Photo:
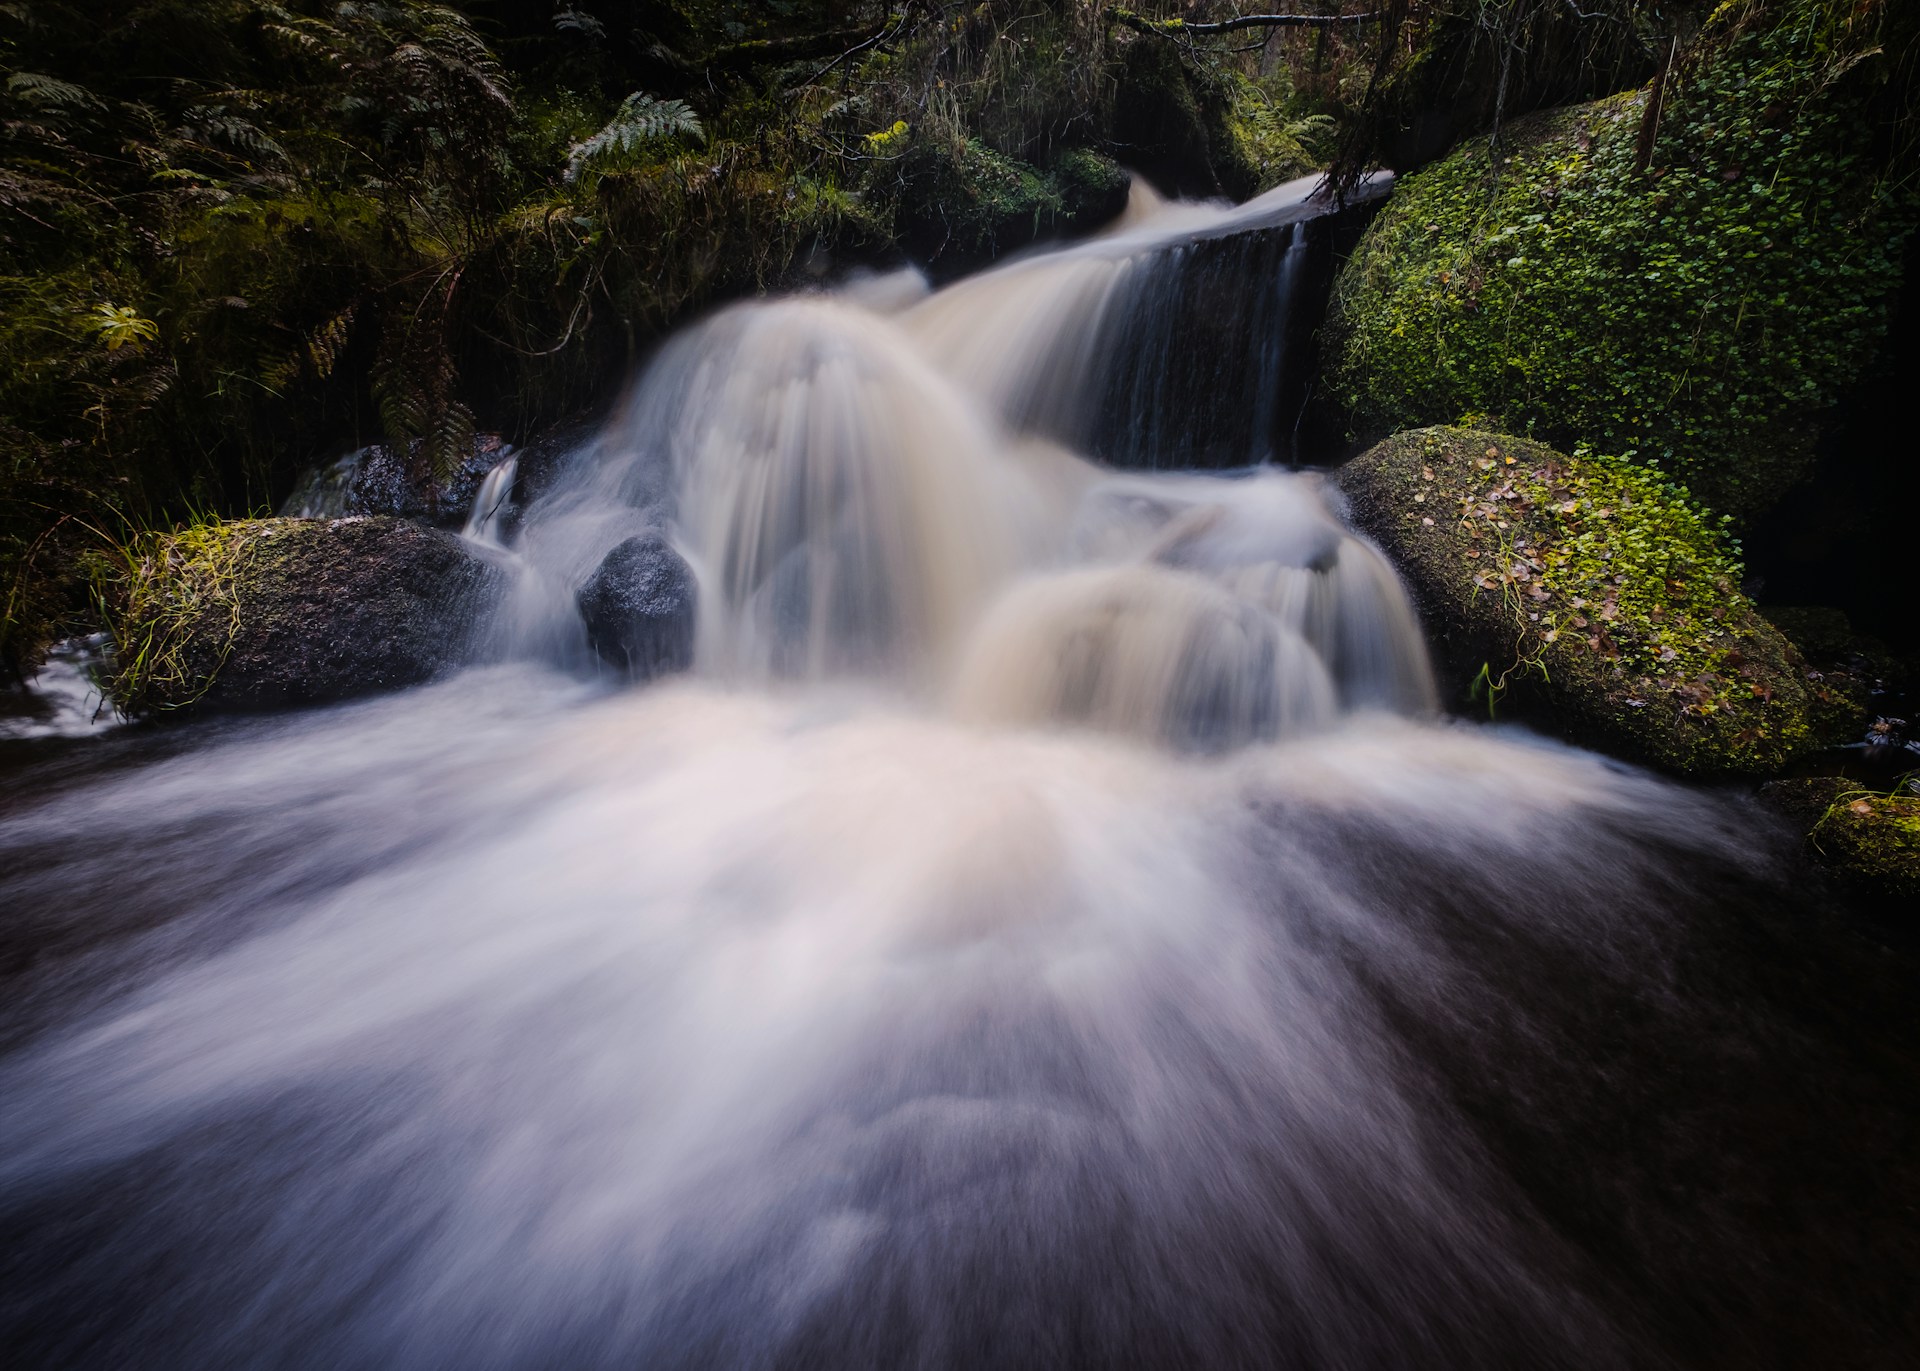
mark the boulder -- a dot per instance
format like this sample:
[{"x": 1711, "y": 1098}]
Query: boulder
[
  {"x": 1699, "y": 302},
  {"x": 261, "y": 613},
  {"x": 1868, "y": 839},
  {"x": 639, "y": 608},
  {"x": 1584, "y": 594},
  {"x": 1854, "y": 677}
]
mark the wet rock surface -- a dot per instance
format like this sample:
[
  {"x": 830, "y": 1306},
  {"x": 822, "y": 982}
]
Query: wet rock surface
[
  {"x": 383, "y": 480},
  {"x": 263, "y": 613},
  {"x": 639, "y": 607},
  {"x": 1580, "y": 594}
]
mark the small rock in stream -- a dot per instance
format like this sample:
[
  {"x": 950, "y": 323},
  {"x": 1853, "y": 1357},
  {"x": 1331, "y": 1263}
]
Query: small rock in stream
[{"x": 639, "y": 608}]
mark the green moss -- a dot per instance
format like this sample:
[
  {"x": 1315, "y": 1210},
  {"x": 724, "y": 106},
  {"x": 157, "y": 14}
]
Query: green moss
[
  {"x": 265, "y": 613},
  {"x": 1698, "y": 316},
  {"x": 962, "y": 201},
  {"x": 1278, "y": 143},
  {"x": 1869, "y": 838},
  {"x": 1587, "y": 586}
]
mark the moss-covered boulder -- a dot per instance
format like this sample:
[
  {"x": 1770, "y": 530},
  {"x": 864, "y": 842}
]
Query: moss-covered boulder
[
  {"x": 1584, "y": 593},
  {"x": 1869, "y": 839},
  {"x": 261, "y": 613},
  {"x": 1693, "y": 285}
]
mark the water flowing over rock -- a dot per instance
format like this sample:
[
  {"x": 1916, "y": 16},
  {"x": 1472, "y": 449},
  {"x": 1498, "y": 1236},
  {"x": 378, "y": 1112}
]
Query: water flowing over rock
[
  {"x": 873, "y": 484},
  {"x": 382, "y": 480},
  {"x": 1184, "y": 338}
]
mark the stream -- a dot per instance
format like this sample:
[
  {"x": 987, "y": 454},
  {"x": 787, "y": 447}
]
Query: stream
[{"x": 1051, "y": 925}]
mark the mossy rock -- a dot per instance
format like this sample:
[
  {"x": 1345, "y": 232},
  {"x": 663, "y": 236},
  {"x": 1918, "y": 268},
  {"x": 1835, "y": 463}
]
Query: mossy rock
[
  {"x": 963, "y": 205},
  {"x": 1869, "y": 839},
  {"x": 1698, "y": 303},
  {"x": 1582, "y": 593},
  {"x": 262, "y": 613}
]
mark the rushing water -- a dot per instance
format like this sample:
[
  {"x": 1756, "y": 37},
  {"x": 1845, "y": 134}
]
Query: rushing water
[{"x": 1048, "y": 928}]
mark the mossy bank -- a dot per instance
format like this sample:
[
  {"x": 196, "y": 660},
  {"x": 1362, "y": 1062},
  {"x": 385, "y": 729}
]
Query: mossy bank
[{"x": 1690, "y": 275}]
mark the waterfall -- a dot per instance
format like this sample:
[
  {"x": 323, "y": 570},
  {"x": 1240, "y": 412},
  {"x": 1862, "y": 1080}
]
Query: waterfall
[
  {"x": 486, "y": 518},
  {"x": 1047, "y": 926},
  {"x": 879, "y": 483}
]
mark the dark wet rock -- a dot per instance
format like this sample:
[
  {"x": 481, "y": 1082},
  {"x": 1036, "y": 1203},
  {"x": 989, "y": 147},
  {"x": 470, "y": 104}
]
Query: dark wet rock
[
  {"x": 262, "y": 613},
  {"x": 1585, "y": 595},
  {"x": 639, "y": 608},
  {"x": 390, "y": 482},
  {"x": 964, "y": 205},
  {"x": 1173, "y": 122},
  {"x": 1869, "y": 839},
  {"x": 1852, "y": 679},
  {"x": 379, "y": 480}
]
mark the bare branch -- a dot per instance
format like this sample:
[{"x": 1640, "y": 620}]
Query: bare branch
[{"x": 1177, "y": 28}]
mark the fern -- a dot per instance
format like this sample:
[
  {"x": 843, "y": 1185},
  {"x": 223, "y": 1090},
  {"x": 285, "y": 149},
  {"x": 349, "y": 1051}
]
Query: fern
[
  {"x": 218, "y": 124},
  {"x": 49, "y": 92},
  {"x": 579, "y": 21},
  {"x": 641, "y": 120},
  {"x": 328, "y": 342}
]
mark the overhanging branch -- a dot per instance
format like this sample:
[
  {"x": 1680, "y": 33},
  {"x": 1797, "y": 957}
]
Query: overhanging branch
[{"x": 1178, "y": 28}]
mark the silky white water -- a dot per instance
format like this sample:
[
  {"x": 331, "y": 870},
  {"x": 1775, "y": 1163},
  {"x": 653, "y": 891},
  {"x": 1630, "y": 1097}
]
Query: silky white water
[{"x": 1047, "y": 928}]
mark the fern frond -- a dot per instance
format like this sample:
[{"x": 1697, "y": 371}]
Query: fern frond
[
  {"x": 578, "y": 21},
  {"x": 328, "y": 342},
  {"x": 50, "y": 92},
  {"x": 640, "y": 120},
  {"x": 242, "y": 135}
]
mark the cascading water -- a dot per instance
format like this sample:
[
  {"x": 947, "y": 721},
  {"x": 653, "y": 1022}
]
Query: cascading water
[{"x": 1046, "y": 929}]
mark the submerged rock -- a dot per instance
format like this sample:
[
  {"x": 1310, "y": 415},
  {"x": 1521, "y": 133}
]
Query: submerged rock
[
  {"x": 1869, "y": 839},
  {"x": 639, "y": 608},
  {"x": 261, "y": 613},
  {"x": 1583, "y": 593}
]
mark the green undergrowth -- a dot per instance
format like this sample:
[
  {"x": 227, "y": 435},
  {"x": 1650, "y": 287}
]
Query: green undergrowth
[
  {"x": 166, "y": 597},
  {"x": 1693, "y": 280},
  {"x": 1875, "y": 835}
]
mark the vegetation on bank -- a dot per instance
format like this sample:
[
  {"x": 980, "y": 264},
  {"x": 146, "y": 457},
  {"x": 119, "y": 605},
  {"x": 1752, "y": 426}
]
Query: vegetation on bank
[
  {"x": 1588, "y": 584},
  {"x": 1690, "y": 273},
  {"x": 240, "y": 236}
]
